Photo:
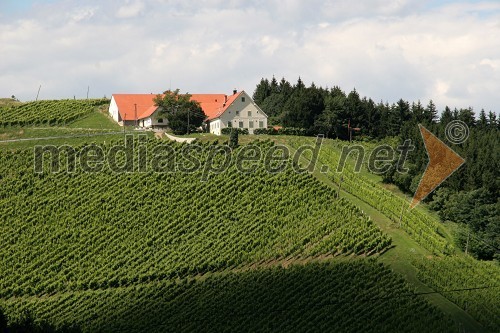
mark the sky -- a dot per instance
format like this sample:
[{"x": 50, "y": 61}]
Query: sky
[{"x": 447, "y": 51}]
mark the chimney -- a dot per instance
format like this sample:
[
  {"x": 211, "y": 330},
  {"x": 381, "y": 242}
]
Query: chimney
[
  {"x": 225, "y": 98},
  {"x": 235, "y": 91}
]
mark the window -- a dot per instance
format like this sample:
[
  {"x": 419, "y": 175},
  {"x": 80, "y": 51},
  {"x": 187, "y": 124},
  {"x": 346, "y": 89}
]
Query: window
[
  {"x": 261, "y": 124},
  {"x": 250, "y": 124},
  {"x": 249, "y": 113},
  {"x": 243, "y": 99},
  {"x": 160, "y": 120},
  {"x": 237, "y": 113},
  {"x": 241, "y": 124},
  {"x": 229, "y": 124}
]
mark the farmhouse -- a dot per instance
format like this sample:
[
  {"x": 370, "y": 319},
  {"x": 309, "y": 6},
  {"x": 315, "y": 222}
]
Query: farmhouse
[{"x": 223, "y": 111}]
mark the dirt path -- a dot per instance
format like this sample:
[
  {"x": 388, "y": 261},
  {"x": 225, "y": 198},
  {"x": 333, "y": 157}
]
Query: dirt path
[{"x": 181, "y": 140}]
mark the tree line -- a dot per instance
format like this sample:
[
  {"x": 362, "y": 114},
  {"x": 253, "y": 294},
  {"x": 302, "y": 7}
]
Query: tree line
[{"x": 469, "y": 197}]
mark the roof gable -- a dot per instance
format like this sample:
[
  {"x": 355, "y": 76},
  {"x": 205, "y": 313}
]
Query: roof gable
[{"x": 127, "y": 105}]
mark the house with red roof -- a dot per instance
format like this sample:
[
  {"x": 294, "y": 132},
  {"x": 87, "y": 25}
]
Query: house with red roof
[{"x": 223, "y": 111}]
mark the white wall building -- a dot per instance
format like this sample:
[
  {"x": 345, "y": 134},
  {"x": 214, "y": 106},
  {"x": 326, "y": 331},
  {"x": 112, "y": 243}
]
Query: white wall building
[
  {"x": 240, "y": 111},
  {"x": 234, "y": 111}
]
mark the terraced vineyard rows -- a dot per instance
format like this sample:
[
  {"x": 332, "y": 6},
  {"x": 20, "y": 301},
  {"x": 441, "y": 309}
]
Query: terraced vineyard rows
[
  {"x": 421, "y": 227},
  {"x": 454, "y": 273},
  {"x": 47, "y": 113},
  {"x": 351, "y": 296},
  {"x": 90, "y": 231},
  {"x": 443, "y": 272}
]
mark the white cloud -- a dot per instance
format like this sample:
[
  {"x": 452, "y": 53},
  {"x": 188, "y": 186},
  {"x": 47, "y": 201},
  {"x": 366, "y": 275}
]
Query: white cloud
[
  {"x": 82, "y": 14},
  {"x": 386, "y": 49},
  {"x": 130, "y": 9}
]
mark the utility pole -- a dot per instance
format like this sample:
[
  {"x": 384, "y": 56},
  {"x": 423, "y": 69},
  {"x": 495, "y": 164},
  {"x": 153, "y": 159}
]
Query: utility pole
[
  {"x": 135, "y": 114},
  {"x": 38, "y": 93},
  {"x": 124, "y": 127},
  {"x": 467, "y": 243},
  {"x": 349, "y": 129},
  {"x": 88, "y": 89},
  {"x": 188, "y": 122}
]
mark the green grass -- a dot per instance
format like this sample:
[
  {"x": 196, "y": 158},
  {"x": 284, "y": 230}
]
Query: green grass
[
  {"x": 32, "y": 137},
  {"x": 96, "y": 120},
  {"x": 9, "y": 102}
]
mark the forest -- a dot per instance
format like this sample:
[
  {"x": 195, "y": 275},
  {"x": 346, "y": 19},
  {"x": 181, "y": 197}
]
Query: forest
[{"x": 468, "y": 198}]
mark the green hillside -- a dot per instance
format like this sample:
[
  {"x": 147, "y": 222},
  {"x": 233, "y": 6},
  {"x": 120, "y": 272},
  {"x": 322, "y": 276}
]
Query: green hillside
[
  {"x": 350, "y": 296},
  {"x": 172, "y": 245},
  {"x": 471, "y": 284},
  {"x": 107, "y": 230},
  {"x": 47, "y": 113}
]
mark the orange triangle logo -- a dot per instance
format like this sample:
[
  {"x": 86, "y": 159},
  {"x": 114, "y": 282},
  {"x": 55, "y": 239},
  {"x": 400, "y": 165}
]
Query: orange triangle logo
[{"x": 443, "y": 161}]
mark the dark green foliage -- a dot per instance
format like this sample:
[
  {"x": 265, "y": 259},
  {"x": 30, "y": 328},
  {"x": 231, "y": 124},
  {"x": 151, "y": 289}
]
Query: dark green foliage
[
  {"x": 229, "y": 130},
  {"x": 303, "y": 107},
  {"x": 281, "y": 131},
  {"x": 478, "y": 211},
  {"x": 470, "y": 195},
  {"x": 461, "y": 272},
  {"x": 346, "y": 296},
  {"x": 318, "y": 111},
  {"x": 233, "y": 138},
  {"x": 183, "y": 114},
  {"x": 3, "y": 321},
  {"x": 27, "y": 324}
]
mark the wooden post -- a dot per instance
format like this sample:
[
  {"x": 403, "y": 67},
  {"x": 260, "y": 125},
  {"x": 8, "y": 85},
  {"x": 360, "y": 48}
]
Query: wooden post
[
  {"x": 340, "y": 186},
  {"x": 401, "y": 215},
  {"x": 125, "y": 116},
  {"x": 38, "y": 93},
  {"x": 467, "y": 243},
  {"x": 349, "y": 129}
]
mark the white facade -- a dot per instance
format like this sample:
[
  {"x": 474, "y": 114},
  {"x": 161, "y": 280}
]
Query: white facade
[
  {"x": 154, "y": 120},
  {"x": 113, "y": 110},
  {"x": 216, "y": 126},
  {"x": 242, "y": 113}
]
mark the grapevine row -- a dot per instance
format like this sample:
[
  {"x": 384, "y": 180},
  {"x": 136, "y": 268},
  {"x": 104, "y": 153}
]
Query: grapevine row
[
  {"x": 344, "y": 296},
  {"x": 47, "y": 113}
]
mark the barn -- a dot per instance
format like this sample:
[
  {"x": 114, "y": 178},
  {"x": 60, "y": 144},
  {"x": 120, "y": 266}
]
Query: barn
[{"x": 237, "y": 110}]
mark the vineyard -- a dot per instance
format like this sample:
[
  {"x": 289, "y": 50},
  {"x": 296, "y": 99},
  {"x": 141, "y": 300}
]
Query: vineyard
[
  {"x": 424, "y": 229},
  {"x": 173, "y": 248},
  {"x": 350, "y": 296},
  {"x": 104, "y": 229},
  {"x": 454, "y": 273},
  {"x": 446, "y": 271},
  {"x": 47, "y": 113}
]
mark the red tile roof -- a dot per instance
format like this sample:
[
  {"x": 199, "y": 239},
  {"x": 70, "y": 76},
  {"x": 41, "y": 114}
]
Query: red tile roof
[
  {"x": 212, "y": 104},
  {"x": 127, "y": 103}
]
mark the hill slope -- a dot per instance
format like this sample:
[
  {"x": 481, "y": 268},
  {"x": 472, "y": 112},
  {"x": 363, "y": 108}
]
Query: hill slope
[{"x": 93, "y": 248}]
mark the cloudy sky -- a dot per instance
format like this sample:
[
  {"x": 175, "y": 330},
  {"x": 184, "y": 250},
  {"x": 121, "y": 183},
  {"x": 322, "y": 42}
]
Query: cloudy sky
[{"x": 444, "y": 50}]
